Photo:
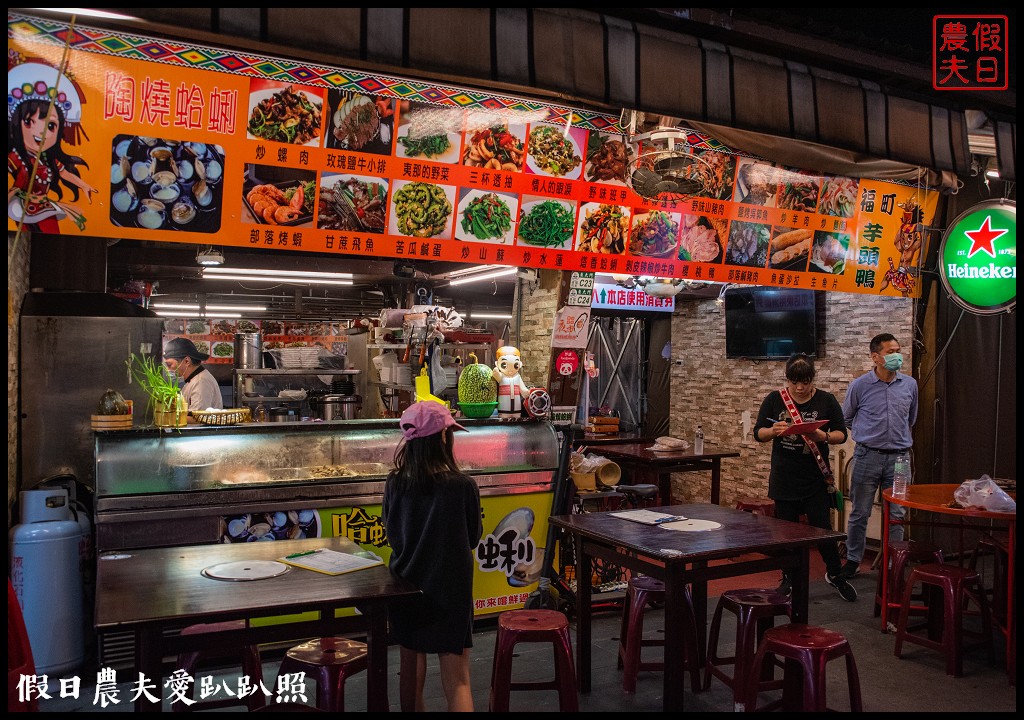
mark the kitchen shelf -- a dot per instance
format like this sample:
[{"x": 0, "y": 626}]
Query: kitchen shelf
[{"x": 393, "y": 386}]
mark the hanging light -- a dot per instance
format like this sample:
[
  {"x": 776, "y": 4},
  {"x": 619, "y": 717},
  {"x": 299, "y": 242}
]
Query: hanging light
[{"x": 210, "y": 257}]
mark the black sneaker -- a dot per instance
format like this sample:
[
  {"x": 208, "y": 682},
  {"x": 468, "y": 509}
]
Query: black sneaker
[
  {"x": 850, "y": 570},
  {"x": 785, "y": 587},
  {"x": 846, "y": 590}
]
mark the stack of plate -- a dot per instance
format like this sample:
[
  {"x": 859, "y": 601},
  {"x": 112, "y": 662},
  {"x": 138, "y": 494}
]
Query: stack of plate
[{"x": 302, "y": 357}]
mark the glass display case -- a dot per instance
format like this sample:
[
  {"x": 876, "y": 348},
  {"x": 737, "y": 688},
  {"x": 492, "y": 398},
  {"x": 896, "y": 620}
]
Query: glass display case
[{"x": 157, "y": 488}]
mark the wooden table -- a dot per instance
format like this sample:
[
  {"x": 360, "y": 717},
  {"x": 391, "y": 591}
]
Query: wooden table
[
  {"x": 656, "y": 468},
  {"x": 935, "y": 499},
  {"x": 148, "y": 590},
  {"x": 679, "y": 558}
]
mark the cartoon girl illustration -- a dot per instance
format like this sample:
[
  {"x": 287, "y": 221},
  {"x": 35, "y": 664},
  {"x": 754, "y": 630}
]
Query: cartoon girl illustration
[{"x": 38, "y": 129}]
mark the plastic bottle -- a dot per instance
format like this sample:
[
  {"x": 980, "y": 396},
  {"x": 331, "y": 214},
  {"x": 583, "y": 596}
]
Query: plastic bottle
[
  {"x": 259, "y": 414},
  {"x": 698, "y": 441},
  {"x": 901, "y": 476}
]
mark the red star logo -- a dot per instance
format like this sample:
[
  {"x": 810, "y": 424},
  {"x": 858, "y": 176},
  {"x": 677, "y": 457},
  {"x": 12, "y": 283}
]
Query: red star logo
[{"x": 983, "y": 237}]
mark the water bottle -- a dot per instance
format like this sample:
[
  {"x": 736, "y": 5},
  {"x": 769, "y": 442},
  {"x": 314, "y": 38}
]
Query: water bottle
[
  {"x": 698, "y": 441},
  {"x": 901, "y": 476}
]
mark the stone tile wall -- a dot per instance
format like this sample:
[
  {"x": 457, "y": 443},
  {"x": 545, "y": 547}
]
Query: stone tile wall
[
  {"x": 533, "y": 317},
  {"x": 723, "y": 396},
  {"x": 17, "y": 286}
]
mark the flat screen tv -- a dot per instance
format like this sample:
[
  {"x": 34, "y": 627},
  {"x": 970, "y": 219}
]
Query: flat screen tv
[{"x": 767, "y": 323}]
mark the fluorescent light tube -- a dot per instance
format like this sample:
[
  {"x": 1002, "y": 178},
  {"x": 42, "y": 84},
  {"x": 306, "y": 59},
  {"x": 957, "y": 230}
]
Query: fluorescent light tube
[
  {"x": 275, "y": 278},
  {"x": 484, "y": 276},
  {"x": 490, "y": 316},
  {"x": 279, "y": 273}
]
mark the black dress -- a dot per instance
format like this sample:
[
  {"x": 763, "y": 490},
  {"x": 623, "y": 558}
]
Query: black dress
[{"x": 432, "y": 534}]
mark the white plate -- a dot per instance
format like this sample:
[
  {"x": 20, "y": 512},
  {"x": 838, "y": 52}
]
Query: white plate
[
  {"x": 581, "y": 218},
  {"x": 260, "y": 95},
  {"x": 573, "y": 174},
  {"x": 614, "y": 181},
  {"x": 229, "y": 346},
  {"x": 246, "y": 570},
  {"x": 449, "y": 191},
  {"x": 513, "y": 208},
  {"x": 451, "y": 155},
  {"x": 529, "y": 206}
]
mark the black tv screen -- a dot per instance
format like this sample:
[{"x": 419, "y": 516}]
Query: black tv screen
[{"x": 766, "y": 323}]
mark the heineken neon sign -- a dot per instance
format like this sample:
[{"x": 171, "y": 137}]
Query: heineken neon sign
[{"x": 978, "y": 258}]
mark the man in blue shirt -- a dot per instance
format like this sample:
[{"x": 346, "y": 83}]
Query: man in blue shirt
[{"x": 880, "y": 409}]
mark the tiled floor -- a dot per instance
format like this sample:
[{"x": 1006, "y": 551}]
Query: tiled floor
[{"x": 915, "y": 683}]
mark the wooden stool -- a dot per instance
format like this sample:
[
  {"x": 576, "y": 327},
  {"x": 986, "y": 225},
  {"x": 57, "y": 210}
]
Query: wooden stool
[
  {"x": 901, "y": 554},
  {"x": 813, "y": 647},
  {"x": 757, "y": 506},
  {"x": 640, "y": 592},
  {"x": 945, "y": 613},
  {"x": 516, "y": 626},
  {"x": 329, "y": 661},
  {"x": 252, "y": 667},
  {"x": 755, "y": 610}
]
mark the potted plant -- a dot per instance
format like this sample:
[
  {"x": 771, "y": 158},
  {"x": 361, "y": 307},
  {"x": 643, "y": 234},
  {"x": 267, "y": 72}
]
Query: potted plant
[{"x": 169, "y": 408}]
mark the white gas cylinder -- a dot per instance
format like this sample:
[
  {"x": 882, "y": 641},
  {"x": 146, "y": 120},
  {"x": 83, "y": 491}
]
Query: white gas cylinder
[{"x": 45, "y": 572}]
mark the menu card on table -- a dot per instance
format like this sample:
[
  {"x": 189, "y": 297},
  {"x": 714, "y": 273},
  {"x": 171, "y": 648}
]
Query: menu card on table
[
  {"x": 647, "y": 517},
  {"x": 332, "y": 562}
]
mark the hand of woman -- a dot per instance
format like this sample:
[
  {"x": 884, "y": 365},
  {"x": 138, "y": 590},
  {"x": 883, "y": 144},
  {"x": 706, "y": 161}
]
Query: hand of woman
[
  {"x": 820, "y": 435},
  {"x": 780, "y": 427}
]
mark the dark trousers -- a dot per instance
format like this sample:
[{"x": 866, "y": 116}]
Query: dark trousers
[{"x": 816, "y": 508}]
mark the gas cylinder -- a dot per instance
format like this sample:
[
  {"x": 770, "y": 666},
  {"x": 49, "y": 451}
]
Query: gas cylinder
[{"x": 45, "y": 572}]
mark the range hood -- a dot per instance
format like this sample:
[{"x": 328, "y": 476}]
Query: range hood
[{"x": 71, "y": 303}]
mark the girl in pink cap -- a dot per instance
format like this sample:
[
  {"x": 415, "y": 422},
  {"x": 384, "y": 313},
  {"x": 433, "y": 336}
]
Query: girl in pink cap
[{"x": 431, "y": 512}]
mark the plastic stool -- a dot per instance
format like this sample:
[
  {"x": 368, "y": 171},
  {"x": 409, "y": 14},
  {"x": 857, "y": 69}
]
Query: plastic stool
[
  {"x": 1000, "y": 558},
  {"x": 329, "y": 661},
  {"x": 19, "y": 655},
  {"x": 252, "y": 667},
  {"x": 757, "y": 506},
  {"x": 518, "y": 626},
  {"x": 901, "y": 554},
  {"x": 813, "y": 647},
  {"x": 639, "y": 496},
  {"x": 946, "y": 613},
  {"x": 641, "y": 591},
  {"x": 755, "y": 610}
]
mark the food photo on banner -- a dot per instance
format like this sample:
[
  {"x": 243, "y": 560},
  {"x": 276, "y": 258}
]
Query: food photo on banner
[{"x": 317, "y": 162}]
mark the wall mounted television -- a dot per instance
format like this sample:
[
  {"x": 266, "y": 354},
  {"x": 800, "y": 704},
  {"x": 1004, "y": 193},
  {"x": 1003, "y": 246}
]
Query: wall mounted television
[{"x": 768, "y": 323}]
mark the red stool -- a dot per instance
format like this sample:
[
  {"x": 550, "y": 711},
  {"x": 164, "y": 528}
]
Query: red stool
[
  {"x": 757, "y": 506},
  {"x": 516, "y": 626},
  {"x": 901, "y": 554},
  {"x": 1000, "y": 558},
  {"x": 945, "y": 613},
  {"x": 640, "y": 592},
  {"x": 813, "y": 647},
  {"x": 329, "y": 661},
  {"x": 19, "y": 655},
  {"x": 252, "y": 667},
  {"x": 755, "y": 610}
]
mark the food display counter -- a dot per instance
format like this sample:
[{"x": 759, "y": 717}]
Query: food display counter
[{"x": 274, "y": 481}]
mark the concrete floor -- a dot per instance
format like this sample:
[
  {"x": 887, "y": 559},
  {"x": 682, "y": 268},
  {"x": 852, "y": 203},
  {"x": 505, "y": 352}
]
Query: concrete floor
[{"x": 916, "y": 683}]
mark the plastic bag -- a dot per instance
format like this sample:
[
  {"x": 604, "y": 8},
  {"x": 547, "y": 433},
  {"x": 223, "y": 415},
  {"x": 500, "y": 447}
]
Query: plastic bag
[{"x": 985, "y": 494}]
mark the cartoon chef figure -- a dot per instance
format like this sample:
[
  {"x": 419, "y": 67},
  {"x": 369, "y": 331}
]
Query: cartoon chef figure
[{"x": 511, "y": 388}]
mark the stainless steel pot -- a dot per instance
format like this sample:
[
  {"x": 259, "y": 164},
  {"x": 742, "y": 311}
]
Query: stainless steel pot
[
  {"x": 249, "y": 351},
  {"x": 282, "y": 414},
  {"x": 338, "y": 407}
]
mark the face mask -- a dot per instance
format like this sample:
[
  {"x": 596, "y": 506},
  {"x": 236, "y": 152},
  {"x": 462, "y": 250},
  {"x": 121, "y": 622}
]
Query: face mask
[{"x": 893, "y": 361}]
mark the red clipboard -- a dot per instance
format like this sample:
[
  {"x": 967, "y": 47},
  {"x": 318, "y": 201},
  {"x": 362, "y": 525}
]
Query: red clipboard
[{"x": 803, "y": 428}]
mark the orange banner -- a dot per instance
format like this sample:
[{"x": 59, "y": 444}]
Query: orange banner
[{"x": 154, "y": 140}]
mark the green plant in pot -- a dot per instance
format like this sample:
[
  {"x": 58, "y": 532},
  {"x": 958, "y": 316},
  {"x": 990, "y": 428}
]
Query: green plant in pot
[{"x": 161, "y": 387}]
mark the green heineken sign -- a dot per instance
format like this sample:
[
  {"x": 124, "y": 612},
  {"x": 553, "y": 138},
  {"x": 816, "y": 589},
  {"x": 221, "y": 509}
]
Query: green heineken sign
[{"x": 978, "y": 258}]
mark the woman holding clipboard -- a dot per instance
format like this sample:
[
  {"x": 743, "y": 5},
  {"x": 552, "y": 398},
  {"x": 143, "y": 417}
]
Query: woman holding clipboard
[{"x": 801, "y": 421}]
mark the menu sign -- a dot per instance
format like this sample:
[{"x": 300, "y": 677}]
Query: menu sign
[{"x": 156, "y": 140}]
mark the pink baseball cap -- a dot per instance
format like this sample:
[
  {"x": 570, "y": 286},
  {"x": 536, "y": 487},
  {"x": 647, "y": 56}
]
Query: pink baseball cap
[{"x": 426, "y": 418}]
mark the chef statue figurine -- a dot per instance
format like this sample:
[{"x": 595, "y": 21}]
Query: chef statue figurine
[{"x": 511, "y": 388}]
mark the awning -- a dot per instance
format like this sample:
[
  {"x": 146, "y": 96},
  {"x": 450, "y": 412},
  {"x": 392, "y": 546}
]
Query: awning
[{"x": 598, "y": 58}]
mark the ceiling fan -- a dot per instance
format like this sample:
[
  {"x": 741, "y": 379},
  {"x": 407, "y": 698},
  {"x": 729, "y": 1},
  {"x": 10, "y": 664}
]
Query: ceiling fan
[{"x": 664, "y": 166}]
